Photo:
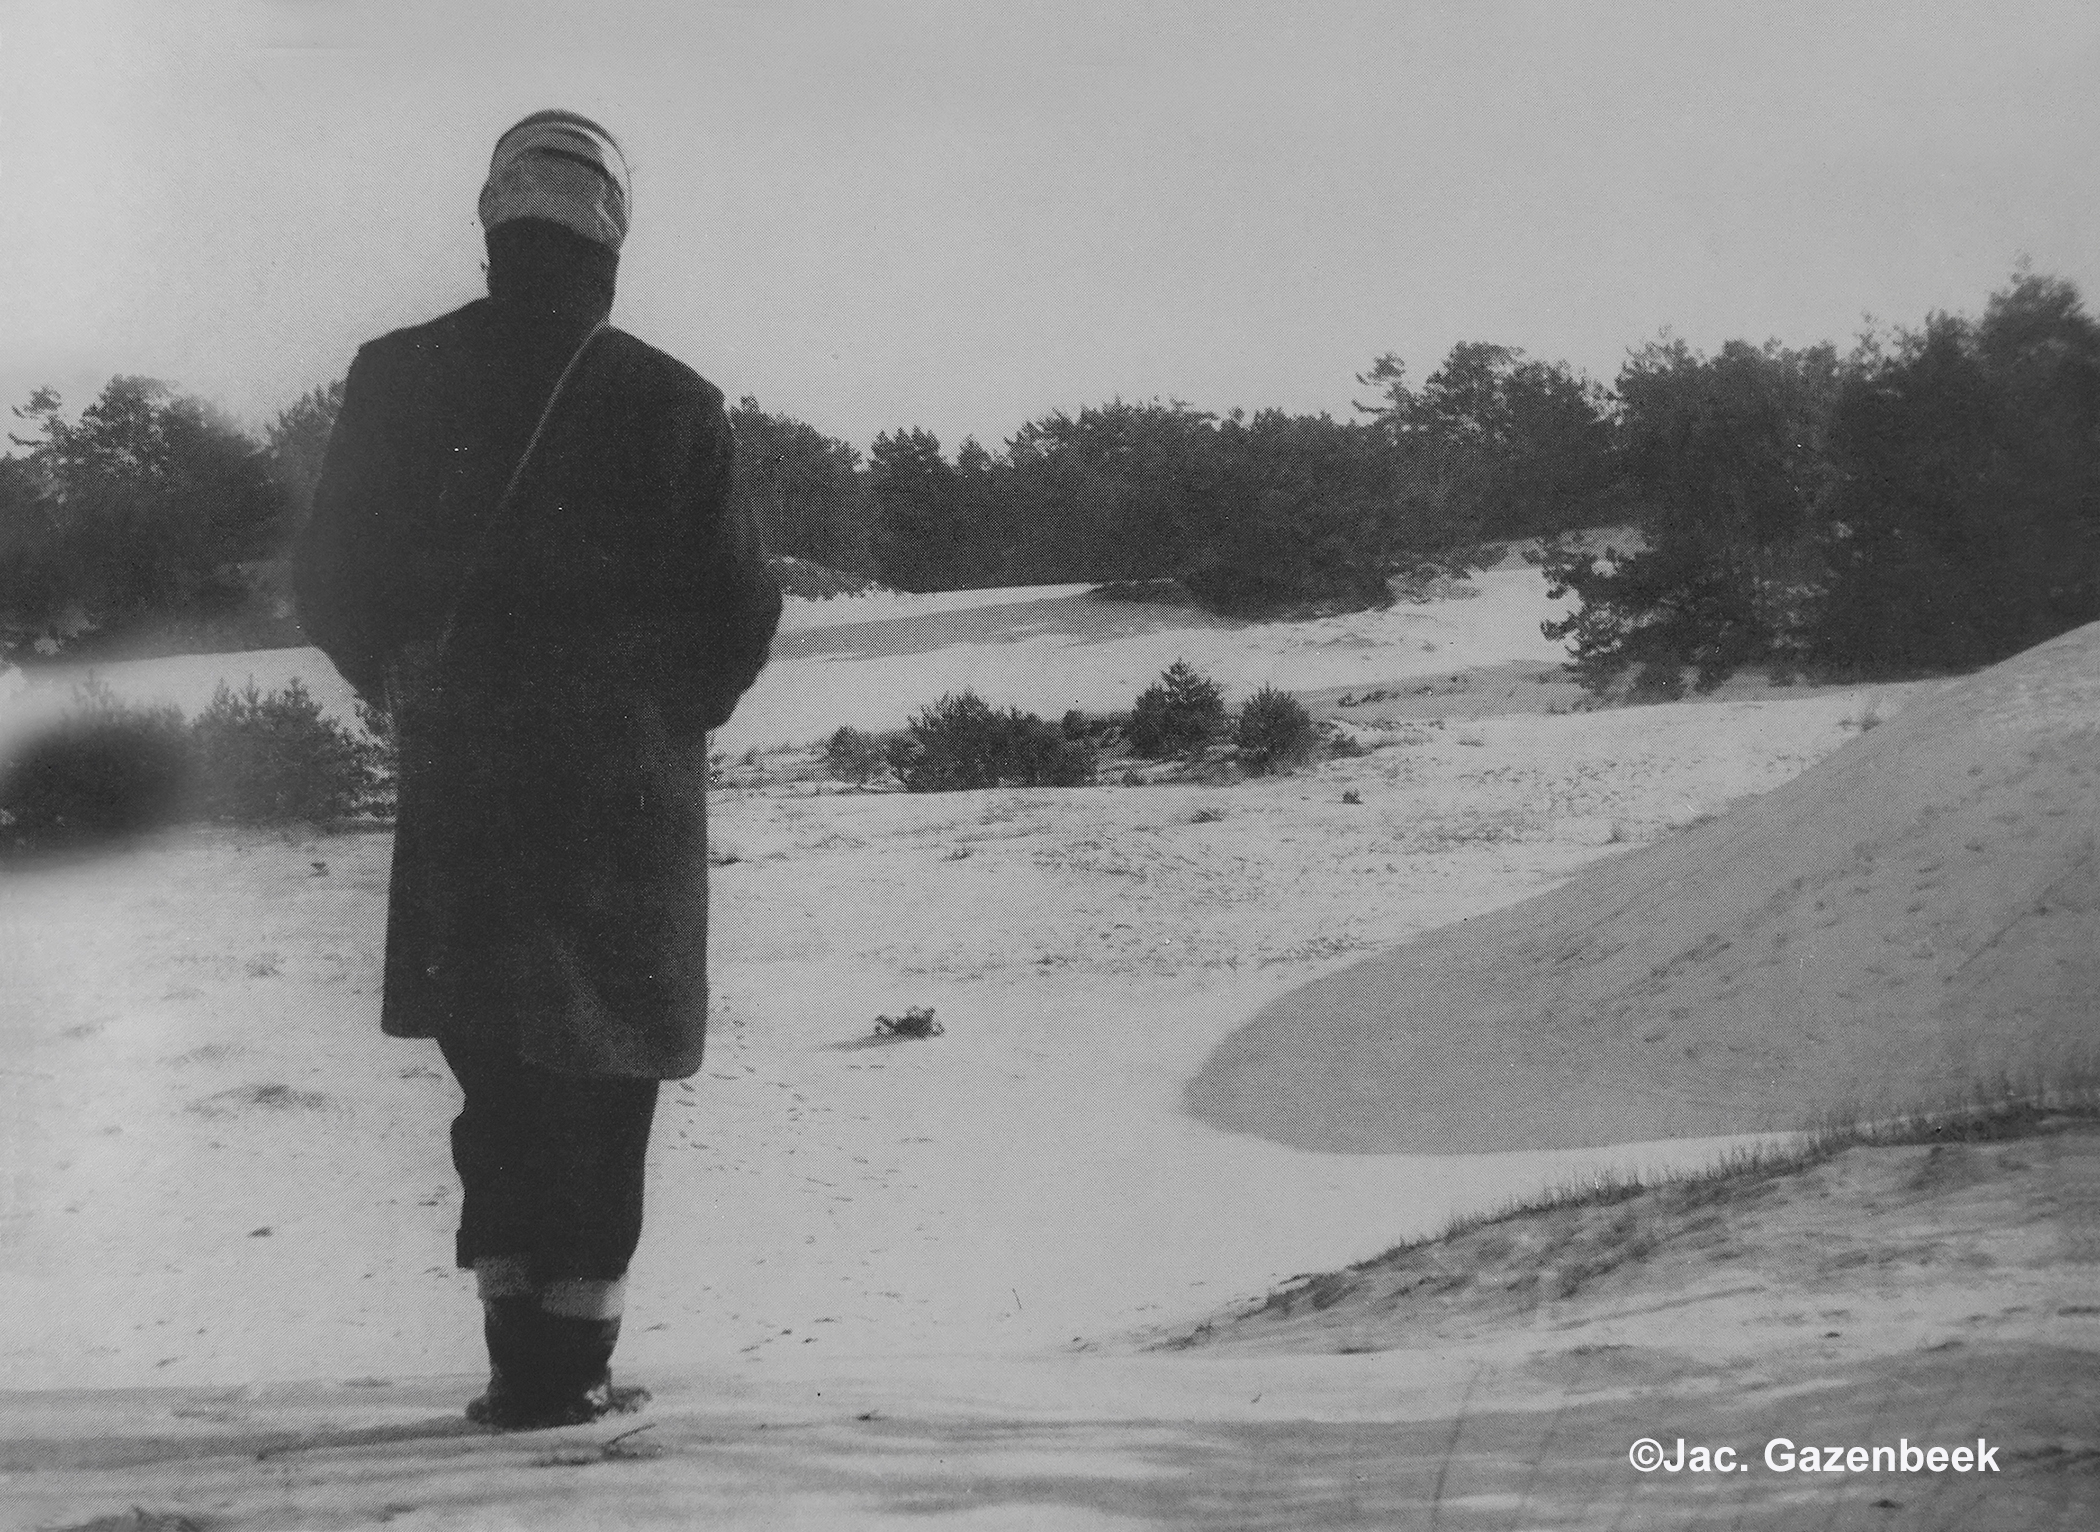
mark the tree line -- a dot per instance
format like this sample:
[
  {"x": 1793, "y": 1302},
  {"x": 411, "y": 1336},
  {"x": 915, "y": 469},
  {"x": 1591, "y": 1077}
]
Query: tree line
[
  {"x": 1252, "y": 513},
  {"x": 152, "y": 507},
  {"x": 1929, "y": 498},
  {"x": 1928, "y": 501}
]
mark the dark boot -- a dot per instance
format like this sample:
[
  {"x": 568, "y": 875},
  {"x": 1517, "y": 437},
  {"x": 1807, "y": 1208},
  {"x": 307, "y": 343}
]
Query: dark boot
[
  {"x": 578, "y": 1368},
  {"x": 511, "y": 1326},
  {"x": 546, "y": 1370}
]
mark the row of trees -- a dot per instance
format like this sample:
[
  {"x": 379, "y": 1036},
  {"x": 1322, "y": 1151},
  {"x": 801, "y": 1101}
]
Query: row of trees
[
  {"x": 1927, "y": 499},
  {"x": 152, "y": 504},
  {"x": 1251, "y": 512},
  {"x": 1257, "y": 512}
]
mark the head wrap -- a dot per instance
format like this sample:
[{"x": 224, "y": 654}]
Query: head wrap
[{"x": 565, "y": 169}]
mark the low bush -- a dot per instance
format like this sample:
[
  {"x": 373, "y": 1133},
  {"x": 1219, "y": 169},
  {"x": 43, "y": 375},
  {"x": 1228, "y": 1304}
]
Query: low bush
[
  {"x": 268, "y": 758},
  {"x": 1041, "y": 756},
  {"x": 1338, "y": 742},
  {"x": 1101, "y": 730},
  {"x": 963, "y": 742},
  {"x": 111, "y": 768},
  {"x": 854, "y": 755},
  {"x": 1178, "y": 714},
  {"x": 114, "y": 768},
  {"x": 1274, "y": 732}
]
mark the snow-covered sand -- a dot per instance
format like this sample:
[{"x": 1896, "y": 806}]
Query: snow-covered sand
[
  {"x": 871, "y": 660},
  {"x": 219, "y": 1172}
]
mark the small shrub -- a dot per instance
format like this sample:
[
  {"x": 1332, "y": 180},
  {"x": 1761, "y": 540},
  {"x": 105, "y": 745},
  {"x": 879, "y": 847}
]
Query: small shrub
[
  {"x": 1867, "y": 721},
  {"x": 1178, "y": 714},
  {"x": 1352, "y": 796},
  {"x": 855, "y": 755},
  {"x": 1341, "y": 744},
  {"x": 963, "y": 742},
  {"x": 264, "y": 759},
  {"x": 1040, "y": 756},
  {"x": 1103, "y": 731},
  {"x": 1275, "y": 732},
  {"x": 952, "y": 745},
  {"x": 110, "y": 768}
]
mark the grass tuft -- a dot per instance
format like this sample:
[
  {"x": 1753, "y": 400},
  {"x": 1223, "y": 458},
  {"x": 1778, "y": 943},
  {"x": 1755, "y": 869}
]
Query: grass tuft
[{"x": 1991, "y": 1112}]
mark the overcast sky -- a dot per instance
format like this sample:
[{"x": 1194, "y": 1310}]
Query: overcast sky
[{"x": 964, "y": 215}]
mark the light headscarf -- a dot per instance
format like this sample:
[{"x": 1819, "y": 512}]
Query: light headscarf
[{"x": 563, "y": 168}]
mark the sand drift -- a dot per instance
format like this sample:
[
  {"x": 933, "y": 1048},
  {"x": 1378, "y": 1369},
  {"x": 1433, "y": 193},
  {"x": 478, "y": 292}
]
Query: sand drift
[{"x": 1917, "y": 914}]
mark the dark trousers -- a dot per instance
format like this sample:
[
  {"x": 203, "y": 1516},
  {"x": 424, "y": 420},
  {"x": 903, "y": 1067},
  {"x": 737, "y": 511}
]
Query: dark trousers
[{"x": 551, "y": 1164}]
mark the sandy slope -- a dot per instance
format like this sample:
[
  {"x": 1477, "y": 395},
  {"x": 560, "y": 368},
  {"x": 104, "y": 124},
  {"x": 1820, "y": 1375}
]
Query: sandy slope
[
  {"x": 1928, "y": 1294},
  {"x": 1024, "y": 1179},
  {"x": 1994, "y": 1238},
  {"x": 1919, "y": 912}
]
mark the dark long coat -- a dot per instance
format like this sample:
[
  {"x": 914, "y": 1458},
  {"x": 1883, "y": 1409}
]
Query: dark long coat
[{"x": 549, "y": 877}]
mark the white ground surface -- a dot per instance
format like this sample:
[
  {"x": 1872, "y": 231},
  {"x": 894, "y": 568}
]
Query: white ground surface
[
  {"x": 871, "y": 660},
  {"x": 218, "y": 1171}
]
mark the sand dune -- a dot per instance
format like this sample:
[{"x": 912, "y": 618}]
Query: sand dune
[{"x": 1918, "y": 912}]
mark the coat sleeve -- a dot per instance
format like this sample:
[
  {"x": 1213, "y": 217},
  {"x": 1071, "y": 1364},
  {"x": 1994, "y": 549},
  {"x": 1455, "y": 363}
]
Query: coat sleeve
[
  {"x": 335, "y": 559},
  {"x": 746, "y": 600},
  {"x": 724, "y": 604}
]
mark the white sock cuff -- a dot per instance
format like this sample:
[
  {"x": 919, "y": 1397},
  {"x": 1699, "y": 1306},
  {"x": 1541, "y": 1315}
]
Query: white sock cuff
[{"x": 584, "y": 1297}]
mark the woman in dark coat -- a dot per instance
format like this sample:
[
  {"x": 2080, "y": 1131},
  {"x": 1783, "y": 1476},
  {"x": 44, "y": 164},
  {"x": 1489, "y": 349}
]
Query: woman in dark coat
[{"x": 524, "y": 548}]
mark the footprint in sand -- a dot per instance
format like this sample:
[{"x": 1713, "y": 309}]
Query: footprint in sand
[
  {"x": 269, "y": 1098},
  {"x": 210, "y": 1053}
]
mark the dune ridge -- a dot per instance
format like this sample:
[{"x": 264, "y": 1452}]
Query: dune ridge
[{"x": 1923, "y": 907}]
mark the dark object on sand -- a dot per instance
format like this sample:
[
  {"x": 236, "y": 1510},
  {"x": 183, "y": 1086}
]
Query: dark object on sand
[{"x": 916, "y": 1022}]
